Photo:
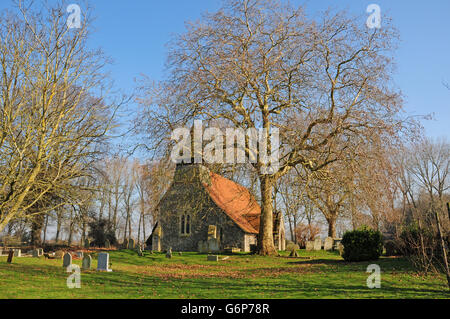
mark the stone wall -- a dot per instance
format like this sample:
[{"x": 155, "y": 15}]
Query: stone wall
[{"x": 187, "y": 196}]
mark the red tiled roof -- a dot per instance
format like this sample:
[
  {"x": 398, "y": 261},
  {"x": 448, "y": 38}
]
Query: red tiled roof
[{"x": 236, "y": 201}]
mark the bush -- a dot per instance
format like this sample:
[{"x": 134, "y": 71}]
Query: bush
[
  {"x": 362, "y": 245},
  {"x": 100, "y": 231},
  {"x": 422, "y": 247}
]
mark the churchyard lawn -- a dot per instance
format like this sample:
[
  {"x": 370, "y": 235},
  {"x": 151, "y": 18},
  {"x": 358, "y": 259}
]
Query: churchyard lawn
[{"x": 190, "y": 275}]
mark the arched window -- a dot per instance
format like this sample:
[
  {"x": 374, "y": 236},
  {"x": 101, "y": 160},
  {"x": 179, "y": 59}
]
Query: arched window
[
  {"x": 188, "y": 224},
  {"x": 185, "y": 224}
]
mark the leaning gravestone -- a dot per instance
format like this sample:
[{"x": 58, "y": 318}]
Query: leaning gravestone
[
  {"x": 169, "y": 253},
  {"x": 309, "y": 245},
  {"x": 294, "y": 252},
  {"x": 317, "y": 244},
  {"x": 10, "y": 256},
  {"x": 328, "y": 244},
  {"x": 87, "y": 261},
  {"x": 67, "y": 260},
  {"x": 103, "y": 262}
]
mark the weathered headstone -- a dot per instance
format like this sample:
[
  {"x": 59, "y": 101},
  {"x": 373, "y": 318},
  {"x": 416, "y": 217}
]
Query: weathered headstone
[
  {"x": 10, "y": 256},
  {"x": 40, "y": 252},
  {"x": 309, "y": 245},
  {"x": 169, "y": 253},
  {"x": 87, "y": 261},
  {"x": 131, "y": 244},
  {"x": 336, "y": 242},
  {"x": 139, "y": 251},
  {"x": 59, "y": 254},
  {"x": 294, "y": 252},
  {"x": 87, "y": 243},
  {"x": 107, "y": 244},
  {"x": 17, "y": 252},
  {"x": 67, "y": 260},
  {"x": 212, "y": 258},
  {"x": 317, "y": 244},
  {"x": 328, "y": 244},
  {"x": 103, "y": 262},
  {"x": 35, "y": 253}
]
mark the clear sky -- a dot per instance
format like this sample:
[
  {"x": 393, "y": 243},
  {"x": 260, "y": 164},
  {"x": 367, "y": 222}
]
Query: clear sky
[{"x": 134, "y": 34}]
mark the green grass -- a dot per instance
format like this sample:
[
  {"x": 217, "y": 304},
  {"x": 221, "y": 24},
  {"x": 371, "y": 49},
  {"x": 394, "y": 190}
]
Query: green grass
[{"x": 323, "y": 275}]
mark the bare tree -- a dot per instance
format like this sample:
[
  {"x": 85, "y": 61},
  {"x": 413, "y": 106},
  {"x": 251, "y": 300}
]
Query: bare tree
[
  {"x": 258, "y": 63},
  {"x": 52, "y": 117}
]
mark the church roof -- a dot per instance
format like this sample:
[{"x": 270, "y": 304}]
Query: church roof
[{"x": 236, "y": 201}]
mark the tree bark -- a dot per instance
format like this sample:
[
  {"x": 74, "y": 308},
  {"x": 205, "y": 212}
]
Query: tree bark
[
  {"x": 444, "y": 251},
  {"x": 332, "y": 226},
  {"x": 36, "y": 229},
  {"x": 266, "y": 246}
]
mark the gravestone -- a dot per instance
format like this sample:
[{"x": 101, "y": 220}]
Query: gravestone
[
  {"x": 107, "y": 244},
  {"x": 169, "y": 253},
  {"x": 294, "y": 252},
  {"x": 139, "y": 251},
  {"x": 328, "y": 244},
  {"x": 17, "y": 253},
  {"x": 67, "y": 260},
  {"x": 212, "y": 258},
  {"x": 35, "y": 253},
  {"x": 317, "y": 244},
  {"x": 59, "y": 254},
  {"x": 309, "y": 245},
  {"x": 40, "y": 252},
  {"x": 10, "y": 256},
  {"x": 131, "y": 244},
  {"x": 103, "y": 262},
  {"x": 80, "y": 254},
  {"x": 336, "y": 242},
  {"x": 87, "y": 243},
  {"x": 87, "y": 261},
  {"x": 125, "y": 244}
]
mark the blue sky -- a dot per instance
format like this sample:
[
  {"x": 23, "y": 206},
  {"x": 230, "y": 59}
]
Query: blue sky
[{"x": 134, "y": 34}]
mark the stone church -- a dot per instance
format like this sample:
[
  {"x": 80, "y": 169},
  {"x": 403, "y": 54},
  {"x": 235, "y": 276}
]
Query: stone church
[{"x": 203, "y": 211}]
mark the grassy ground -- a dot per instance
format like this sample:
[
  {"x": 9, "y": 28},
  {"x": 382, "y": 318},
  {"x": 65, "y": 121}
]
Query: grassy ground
[{"x": 325, "y": 275}]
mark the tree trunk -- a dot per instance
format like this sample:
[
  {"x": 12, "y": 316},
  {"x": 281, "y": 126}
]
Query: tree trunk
[
  {"x": 45, "y": 229},
  {"x": 36, "y": 229},
  {"x": 444, "y": 251},
  {"x": 139, "y": 230},
  {"x": 332, "y": 226},
  {"x": 266, "y": 246}
]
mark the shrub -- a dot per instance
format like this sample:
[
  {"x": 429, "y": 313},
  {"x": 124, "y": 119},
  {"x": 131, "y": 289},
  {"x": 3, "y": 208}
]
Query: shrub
[
  {"x": 362, "y": 245},
  {"x": 421, "y": 246},
  {"x": 100, "y": 231}
]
